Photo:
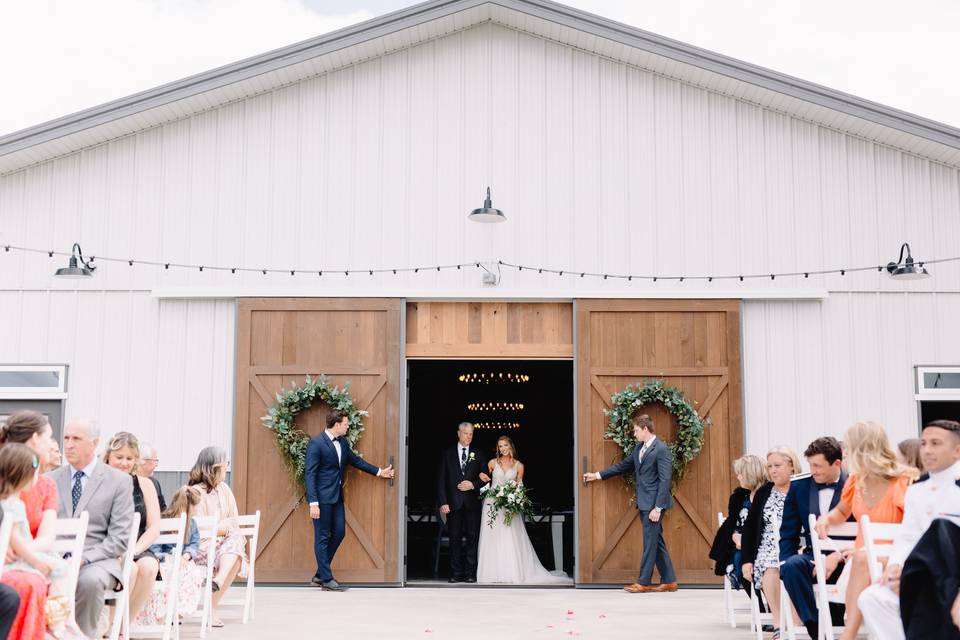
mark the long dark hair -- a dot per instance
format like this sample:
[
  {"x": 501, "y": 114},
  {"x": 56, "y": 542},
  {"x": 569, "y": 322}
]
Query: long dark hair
[
  {"x": 208, "y": 469},
  {"x": 18, "y": 463},
  {"x": 22, "y": 426}
]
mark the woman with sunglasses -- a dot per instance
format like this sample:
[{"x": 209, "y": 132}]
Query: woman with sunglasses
[{"x": 230, "y": 559}]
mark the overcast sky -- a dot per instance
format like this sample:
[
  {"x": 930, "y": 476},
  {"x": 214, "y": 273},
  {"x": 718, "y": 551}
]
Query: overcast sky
[{"x": 61, "y": 56}]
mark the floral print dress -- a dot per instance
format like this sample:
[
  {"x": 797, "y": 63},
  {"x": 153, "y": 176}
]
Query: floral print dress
[{"x": 768, "y": 553}]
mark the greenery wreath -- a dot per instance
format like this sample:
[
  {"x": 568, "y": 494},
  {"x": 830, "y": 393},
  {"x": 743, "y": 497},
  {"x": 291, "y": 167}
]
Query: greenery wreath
[
  {"x": 689, "y": 436},
  {"x": 292, "y": 442}
]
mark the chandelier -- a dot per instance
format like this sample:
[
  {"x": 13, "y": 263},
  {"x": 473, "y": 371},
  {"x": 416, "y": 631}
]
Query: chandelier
[
  {"x": 496, "y": 425},
  {"x": 487, "y": 378},
  {"x": 495, "y": 406}
]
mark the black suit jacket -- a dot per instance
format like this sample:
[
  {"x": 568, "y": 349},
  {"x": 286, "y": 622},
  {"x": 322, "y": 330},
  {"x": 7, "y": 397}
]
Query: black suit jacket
[
  {"x": 721, "y": 551},
  {"x": 803, "y": 499},
  {"x": 451, "y": 475},
  {"x": 324, "y": 474},
  {"x": 653, "y": 475}
]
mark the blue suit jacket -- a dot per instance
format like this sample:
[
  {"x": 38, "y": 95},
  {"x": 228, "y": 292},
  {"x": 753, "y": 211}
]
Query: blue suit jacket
[
  {"x": 802, "y": 500},
  {"x": 652, "y": 475},
  {"x": 324, "y": 474}
]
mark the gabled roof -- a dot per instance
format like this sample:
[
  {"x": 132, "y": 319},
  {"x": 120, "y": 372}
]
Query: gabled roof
[{"x": 429, "y": 20}]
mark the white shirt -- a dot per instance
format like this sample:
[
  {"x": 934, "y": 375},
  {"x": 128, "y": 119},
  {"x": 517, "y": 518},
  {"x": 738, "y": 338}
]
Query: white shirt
[
  {"x": 937, "y": 497},
  {"x": 87, "y": 472},
  {"x": 826, "y": 497},
  {"x": 463, "y": 454}
]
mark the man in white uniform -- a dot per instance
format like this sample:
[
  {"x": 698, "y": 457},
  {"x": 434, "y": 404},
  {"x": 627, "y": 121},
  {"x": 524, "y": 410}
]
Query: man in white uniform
[{"x": 935, "y": 495}]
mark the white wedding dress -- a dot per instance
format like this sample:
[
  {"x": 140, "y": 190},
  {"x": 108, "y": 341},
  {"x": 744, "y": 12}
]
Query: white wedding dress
[{"x": 506, "y": 555}]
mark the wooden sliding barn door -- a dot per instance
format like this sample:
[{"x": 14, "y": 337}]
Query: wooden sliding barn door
[
  {"x": 355, "y": 341},
  {"x": 695, "y": 346}
]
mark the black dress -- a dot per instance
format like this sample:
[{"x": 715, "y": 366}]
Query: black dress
[{"x": 140, "y": 506}]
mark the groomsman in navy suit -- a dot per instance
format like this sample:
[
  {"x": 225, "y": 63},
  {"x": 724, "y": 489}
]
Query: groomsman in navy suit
[
  {"x": 816, "y": 493},
  {"x": 327, "y": 458}
]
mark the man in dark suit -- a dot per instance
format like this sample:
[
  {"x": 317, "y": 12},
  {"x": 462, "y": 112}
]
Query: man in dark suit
[
  {"x": 327, "y": 457},
  {"x": 458, "y": 495},
  {"x": 816, "y": 493},
  {"x": 652, "y": 464}
]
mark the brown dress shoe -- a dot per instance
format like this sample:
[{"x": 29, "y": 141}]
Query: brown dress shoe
[
  {"x": 639, "y": 588},
  {"x": 667, "y": 586}
]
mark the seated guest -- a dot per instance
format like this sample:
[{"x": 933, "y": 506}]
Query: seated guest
[
  {"x": 876, "y": 487},
  {"x": 148, "y": 464},
  {"x": 54, "y": 459},
  {"x": 929, "y": 594},
  {"x": 40, "y": 502},
  {"x": 106, "y": 494},
  {"x": 191, "y": 575},
  {"x": 123, "y": 454},
  {"x": 817, "y": 494},
  {"x": 908, "y": 452},
  {"x": 935, "y": 493},
  {"x": 761, "y": 556},
  {"x": 751, "y": 473},
  {"x": 19, "y": 469},
  {"x": 208, "y": 474}
]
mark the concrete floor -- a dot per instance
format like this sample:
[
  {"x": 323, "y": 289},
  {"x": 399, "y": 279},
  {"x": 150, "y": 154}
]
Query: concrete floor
[{"x": 482, "y": 613}]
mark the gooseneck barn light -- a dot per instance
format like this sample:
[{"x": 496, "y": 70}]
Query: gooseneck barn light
[
  {"x": 487, "y": 213},
  {"x": 907, "y": 269},
  {"x": 77, "y": 268}
]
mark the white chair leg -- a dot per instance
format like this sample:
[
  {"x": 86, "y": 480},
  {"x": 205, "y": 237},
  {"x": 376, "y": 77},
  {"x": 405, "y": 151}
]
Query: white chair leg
[
  {"x": 755, "y": 614},
  {"x": 728, "y": 603}
]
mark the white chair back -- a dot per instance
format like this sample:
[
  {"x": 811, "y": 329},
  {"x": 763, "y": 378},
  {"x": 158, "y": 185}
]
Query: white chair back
[
  {"x": 249, "y": 526},
  {"x": 121, "y": 610},
  {"x": 878, "y": 539},
  {"x": 840, "y": 538},
  {"x": 6, "y": 528},
  {"x": 71, "y": 533},
  {"x": 760, "y": 618},
  {"x": 172, "y": 531},
  {"x": 207, "y": 526}
]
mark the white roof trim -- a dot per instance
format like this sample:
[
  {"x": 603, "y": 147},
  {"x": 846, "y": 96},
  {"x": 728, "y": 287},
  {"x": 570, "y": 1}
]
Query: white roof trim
[{"x": 86, "y": 128}]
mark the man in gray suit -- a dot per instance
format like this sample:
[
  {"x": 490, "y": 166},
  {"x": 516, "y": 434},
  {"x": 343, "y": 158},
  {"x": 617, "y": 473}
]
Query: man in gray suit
[
  {"x": 87, "y": 484},
  {"x": 652, "y": 464}
]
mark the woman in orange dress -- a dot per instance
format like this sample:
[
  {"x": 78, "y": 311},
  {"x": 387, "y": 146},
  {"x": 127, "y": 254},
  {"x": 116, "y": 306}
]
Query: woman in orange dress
[
  {"x": 33, "y": 429},
  {"x": 876, "y": 487}
]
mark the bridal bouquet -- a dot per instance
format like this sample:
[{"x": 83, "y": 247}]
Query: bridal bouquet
[{"x": 510, "y": 497}]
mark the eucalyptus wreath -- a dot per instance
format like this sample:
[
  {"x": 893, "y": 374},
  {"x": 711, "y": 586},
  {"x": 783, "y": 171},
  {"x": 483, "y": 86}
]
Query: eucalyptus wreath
[
  {"x": 292, "y": 442},
  {"x": 626, "y": 403}
]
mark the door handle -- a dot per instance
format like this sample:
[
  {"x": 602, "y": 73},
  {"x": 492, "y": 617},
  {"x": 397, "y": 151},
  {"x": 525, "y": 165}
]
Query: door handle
[
  {"x": 390, "y": 463},
  {"x": 586, "y": 467}
]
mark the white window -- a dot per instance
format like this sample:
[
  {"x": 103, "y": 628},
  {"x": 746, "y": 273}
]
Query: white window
[{"x": 33, "y": 381}]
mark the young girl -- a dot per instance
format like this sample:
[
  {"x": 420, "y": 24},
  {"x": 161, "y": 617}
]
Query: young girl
[
  {"x": 190, "y": 592},
  {"x": 19, "y": 468}
]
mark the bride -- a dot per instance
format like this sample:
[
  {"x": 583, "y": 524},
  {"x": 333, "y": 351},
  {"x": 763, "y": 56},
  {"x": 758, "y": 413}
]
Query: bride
[{"x": 506, "y": 555}]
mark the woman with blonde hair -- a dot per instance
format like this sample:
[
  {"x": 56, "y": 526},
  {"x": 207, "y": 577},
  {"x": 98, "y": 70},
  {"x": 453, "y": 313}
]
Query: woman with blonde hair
[
  {"x": 751, "y": 472},
  {"x": 123, "y": 453},
  {"x": 876, "y": 487},
  {"x": 759, "y": 545}
]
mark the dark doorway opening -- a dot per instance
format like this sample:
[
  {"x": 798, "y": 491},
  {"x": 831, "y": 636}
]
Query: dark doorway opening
[
  {"x": 931, "y": 410},
  {"x": 443, "y": 393}
]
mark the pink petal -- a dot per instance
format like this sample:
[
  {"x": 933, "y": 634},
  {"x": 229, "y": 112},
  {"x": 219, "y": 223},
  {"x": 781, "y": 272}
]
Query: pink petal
[
  {"x": 603, "y": 615},
  {"x": 569, "y": 612}
]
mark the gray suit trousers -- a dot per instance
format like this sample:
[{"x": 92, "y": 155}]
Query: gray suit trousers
[
  {"x": 654, "y": 552},
  {"x": 92, "y": 587}
]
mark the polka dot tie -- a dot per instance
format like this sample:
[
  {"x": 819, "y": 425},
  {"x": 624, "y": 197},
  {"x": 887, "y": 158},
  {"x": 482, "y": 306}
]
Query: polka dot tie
[{"x": 77, "y": 488}]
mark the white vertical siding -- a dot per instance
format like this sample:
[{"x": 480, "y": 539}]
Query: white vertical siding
[
  {"x": 599, "y": 165},
  {"x": 814, "y": 368}
]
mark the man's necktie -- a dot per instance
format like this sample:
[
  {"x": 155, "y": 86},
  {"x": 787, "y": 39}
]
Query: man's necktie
[
  {"x": 463, "y": 459},
  {"x": 77, "y": 489}
]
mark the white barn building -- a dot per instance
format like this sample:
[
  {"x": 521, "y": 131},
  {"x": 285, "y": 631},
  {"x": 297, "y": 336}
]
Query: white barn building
[{"x": 611, "y": 151}]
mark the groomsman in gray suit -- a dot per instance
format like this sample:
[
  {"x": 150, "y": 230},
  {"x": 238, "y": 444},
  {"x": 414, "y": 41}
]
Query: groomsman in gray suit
[
  {"x": 652, "y": 464},
  {"x": 87, "y": 484}
]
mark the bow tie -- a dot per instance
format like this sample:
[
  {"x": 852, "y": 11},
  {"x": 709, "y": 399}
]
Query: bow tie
[{"x": 831, "y": 485}]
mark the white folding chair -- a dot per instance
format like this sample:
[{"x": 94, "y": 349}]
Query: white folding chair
[
  {"x": 171, "y": 532},
  {"x": 207, "y": 526},
  {"x": 730, "y": 609},
  {"x": 878, "y": 538},
  {"x": 840, "y": 539},
  {"x": 121, "y": 597},
  {"x": 71, "y": 533},
  {"x": 6, "y": 528},
  {"x": 250, "y": 528},
  {"x": 760, "y": 618}
]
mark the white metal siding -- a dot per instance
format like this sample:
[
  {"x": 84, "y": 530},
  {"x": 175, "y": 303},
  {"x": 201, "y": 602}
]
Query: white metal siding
[{"x": 600, "y": 166}]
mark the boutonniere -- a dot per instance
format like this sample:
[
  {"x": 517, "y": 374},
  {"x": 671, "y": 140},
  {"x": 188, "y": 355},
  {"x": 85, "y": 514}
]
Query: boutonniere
[{"x": 472, "y": 457}]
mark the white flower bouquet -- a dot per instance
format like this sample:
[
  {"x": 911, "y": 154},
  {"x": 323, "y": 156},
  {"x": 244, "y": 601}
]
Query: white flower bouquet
[{"x": 510, "y": 497}]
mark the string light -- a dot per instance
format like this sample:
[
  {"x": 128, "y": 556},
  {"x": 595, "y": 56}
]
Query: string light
[
  {"x": 500, "y": 263},
  {"x": 496, "y": 425},
  {"x": 487, "y": 378},
  {"x": 495, "y": 406}
]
